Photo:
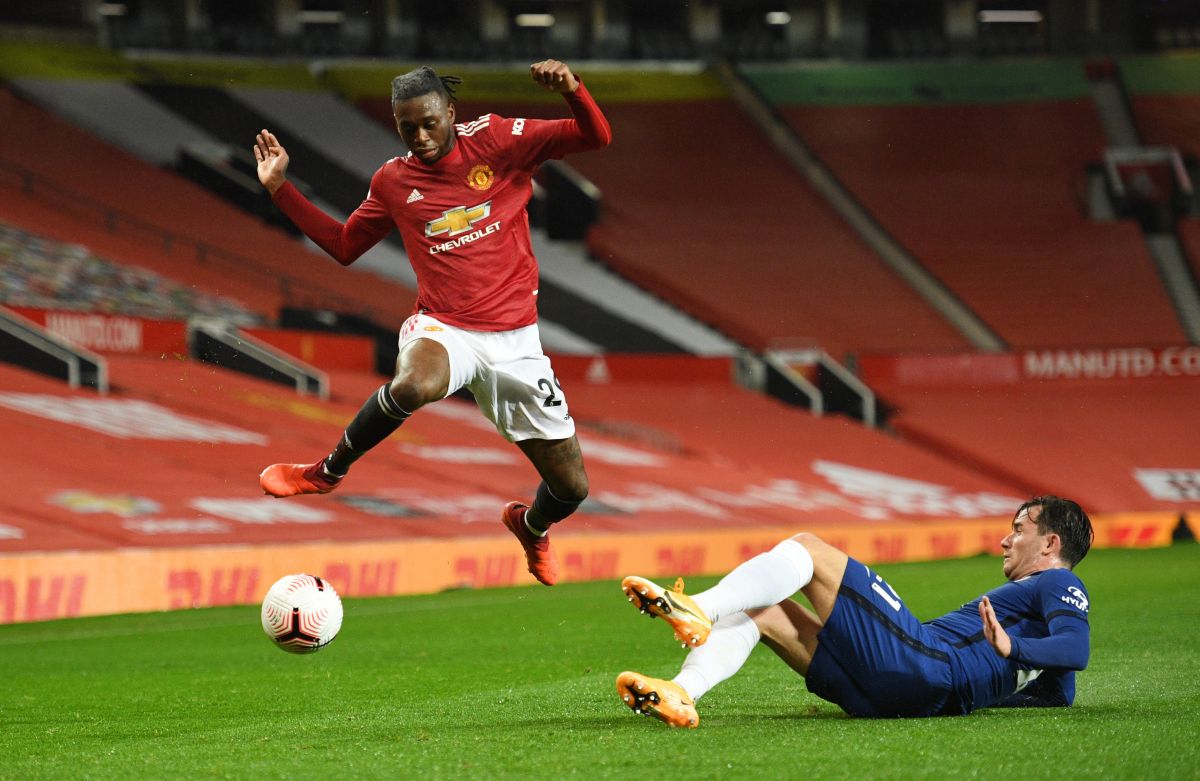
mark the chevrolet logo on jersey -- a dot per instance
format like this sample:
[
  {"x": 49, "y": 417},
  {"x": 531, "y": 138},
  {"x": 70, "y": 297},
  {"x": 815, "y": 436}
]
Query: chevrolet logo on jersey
[{"x": 459, "y": 219}]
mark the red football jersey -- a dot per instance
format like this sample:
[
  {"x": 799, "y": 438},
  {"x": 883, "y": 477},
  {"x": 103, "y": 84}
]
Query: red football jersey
[{"x": 462, "y": 219}]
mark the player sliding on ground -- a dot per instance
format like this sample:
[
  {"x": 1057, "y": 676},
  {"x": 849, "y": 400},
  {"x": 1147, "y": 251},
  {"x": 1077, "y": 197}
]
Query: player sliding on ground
[
  {"x": 458, "y": 199},
  {"x": 860, "y": 648}
]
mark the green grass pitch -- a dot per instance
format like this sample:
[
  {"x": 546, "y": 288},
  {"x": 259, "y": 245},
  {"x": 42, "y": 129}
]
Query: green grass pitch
[{"x": 518, "y": 683}]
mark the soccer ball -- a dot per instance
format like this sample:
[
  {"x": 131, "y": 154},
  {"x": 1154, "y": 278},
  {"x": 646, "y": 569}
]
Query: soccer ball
[{"x": 301, "y": 613}]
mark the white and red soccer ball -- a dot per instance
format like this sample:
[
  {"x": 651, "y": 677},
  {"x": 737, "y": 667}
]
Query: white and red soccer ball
[{"x": 302, "y": 613}]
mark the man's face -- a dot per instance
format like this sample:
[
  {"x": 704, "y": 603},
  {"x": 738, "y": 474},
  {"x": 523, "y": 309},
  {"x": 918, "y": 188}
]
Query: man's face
[
  {"x": 426, "y": 125},
  {"x": 1025, "y": 550}
]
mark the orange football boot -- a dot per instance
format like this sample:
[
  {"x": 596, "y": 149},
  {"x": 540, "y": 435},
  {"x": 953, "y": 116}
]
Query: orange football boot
[
  {"x": 664, "y": 700},
  {"x": 691, "y": 626},
  {"x": 280, "y": 480}
]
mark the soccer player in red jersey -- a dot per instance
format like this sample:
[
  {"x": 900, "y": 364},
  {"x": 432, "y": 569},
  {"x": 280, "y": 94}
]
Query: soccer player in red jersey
[{"x": 458, "y": 199}]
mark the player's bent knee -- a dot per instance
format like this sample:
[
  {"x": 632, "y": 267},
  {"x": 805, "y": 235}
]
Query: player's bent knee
[
  {"x": 795, "y": 552},
  {"x": 574, "y": 490},
  {"x": 816, "y": 546},
  {"x": 828, "y": 562},
  {"x": 411, "y": 394}
]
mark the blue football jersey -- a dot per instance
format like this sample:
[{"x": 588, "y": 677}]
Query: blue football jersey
[{"x": 1046, "y": 616}]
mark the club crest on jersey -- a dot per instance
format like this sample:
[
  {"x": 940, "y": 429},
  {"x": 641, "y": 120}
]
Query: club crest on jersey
[
  {"x": 458, "y": 220},
  {"x": 480, "y": 177}
]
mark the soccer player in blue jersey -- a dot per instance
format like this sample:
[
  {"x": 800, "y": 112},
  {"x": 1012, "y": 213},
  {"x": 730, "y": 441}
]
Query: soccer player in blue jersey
[{"x": 860, "y": 648}]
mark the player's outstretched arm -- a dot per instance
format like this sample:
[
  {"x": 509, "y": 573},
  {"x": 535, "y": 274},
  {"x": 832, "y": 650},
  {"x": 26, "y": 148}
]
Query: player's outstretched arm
[
  {"x": 993, "y": 632},
  {"x": 346, "y": 242},
  {"x": 272, "y": 160},
  {"x": 553, "y": 76}
]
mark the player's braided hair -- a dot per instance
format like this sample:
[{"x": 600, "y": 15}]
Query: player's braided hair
[{"x": 423, "y": 81}]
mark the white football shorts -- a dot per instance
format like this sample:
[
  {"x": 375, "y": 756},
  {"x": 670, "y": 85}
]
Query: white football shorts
[{"x": 509, "y": 375}]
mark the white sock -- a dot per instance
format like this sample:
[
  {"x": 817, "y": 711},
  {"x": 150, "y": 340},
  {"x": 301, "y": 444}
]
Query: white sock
[
  {"x": 765, "y": 580},
  {"x": 727, "y": 649},
  {"x": 533, "y": 531}
]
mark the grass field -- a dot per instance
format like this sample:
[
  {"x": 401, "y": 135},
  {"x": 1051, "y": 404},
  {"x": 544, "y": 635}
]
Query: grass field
[{"x": 518, "y": 683}]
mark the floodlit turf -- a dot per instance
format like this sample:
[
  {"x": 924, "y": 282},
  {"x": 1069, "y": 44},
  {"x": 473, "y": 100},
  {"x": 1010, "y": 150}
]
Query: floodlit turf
[{"x": 518, "y": 683}]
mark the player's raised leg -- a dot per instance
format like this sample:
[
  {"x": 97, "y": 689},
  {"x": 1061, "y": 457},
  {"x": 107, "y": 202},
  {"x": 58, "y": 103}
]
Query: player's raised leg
[
  {"x": 690, "y": 623},
  {"x": 803, "y": 563},
  {"x": 422, "y": 376},
  {"x": 563, "y": 488}
]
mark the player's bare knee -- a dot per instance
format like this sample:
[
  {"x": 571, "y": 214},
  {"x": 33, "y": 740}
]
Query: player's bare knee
[
  {"x": 828, "y": 562},
  {"x": 817, "y": 547},
  {"x": 411, "y": 393},
  {"x": 808, "y": 540},
  {"x": 573, "y": 489}
]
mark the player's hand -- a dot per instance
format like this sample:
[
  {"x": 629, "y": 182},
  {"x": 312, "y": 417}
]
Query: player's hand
[
  {"x": 272, "y": 160},
  {"x": 992, "y": 631},
  {"x": 554, "y": 76}
]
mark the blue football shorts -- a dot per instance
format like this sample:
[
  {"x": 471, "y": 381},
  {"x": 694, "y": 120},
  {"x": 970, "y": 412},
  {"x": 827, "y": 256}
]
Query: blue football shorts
[{"x": 874, "y": 658}]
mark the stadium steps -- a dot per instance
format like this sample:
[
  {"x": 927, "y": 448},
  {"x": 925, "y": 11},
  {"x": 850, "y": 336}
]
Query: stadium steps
[
  {"x": 119, "y": 113},
  {"x": 1120, "y": 129},
  {"x": 1113, "y": 110},
  {"x": 323, "y": 122},
  {"x": 1167, "y": 252},
  {"x": 236, "y": 124},
  {"x": 1168, "y": 114}
]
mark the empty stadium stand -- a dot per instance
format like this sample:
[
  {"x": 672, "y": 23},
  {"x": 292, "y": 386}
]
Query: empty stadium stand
[
  {"x": 986, "y": 196},
  {"x": 131, "y": 119},
  {"x": 699, "y": 210},
  {"x": 1169, "y": 120},
  {"x": 1165, "y": 101},
  {"x": 121, "y": 192},
  {"x": 646, "y": 458},
  {"x": 55, "y": 216},
  {"x": 1113, "y": 429},
  {"x": 40, "y": 272},
  {"x": 689, "y": 475},
  {"x": 334, "y": 151},
  {"x": 119, "y": 113}
]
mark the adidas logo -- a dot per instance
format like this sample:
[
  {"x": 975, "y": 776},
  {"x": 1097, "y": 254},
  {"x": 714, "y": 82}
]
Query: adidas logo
[{"x": 415, "y": 195}]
